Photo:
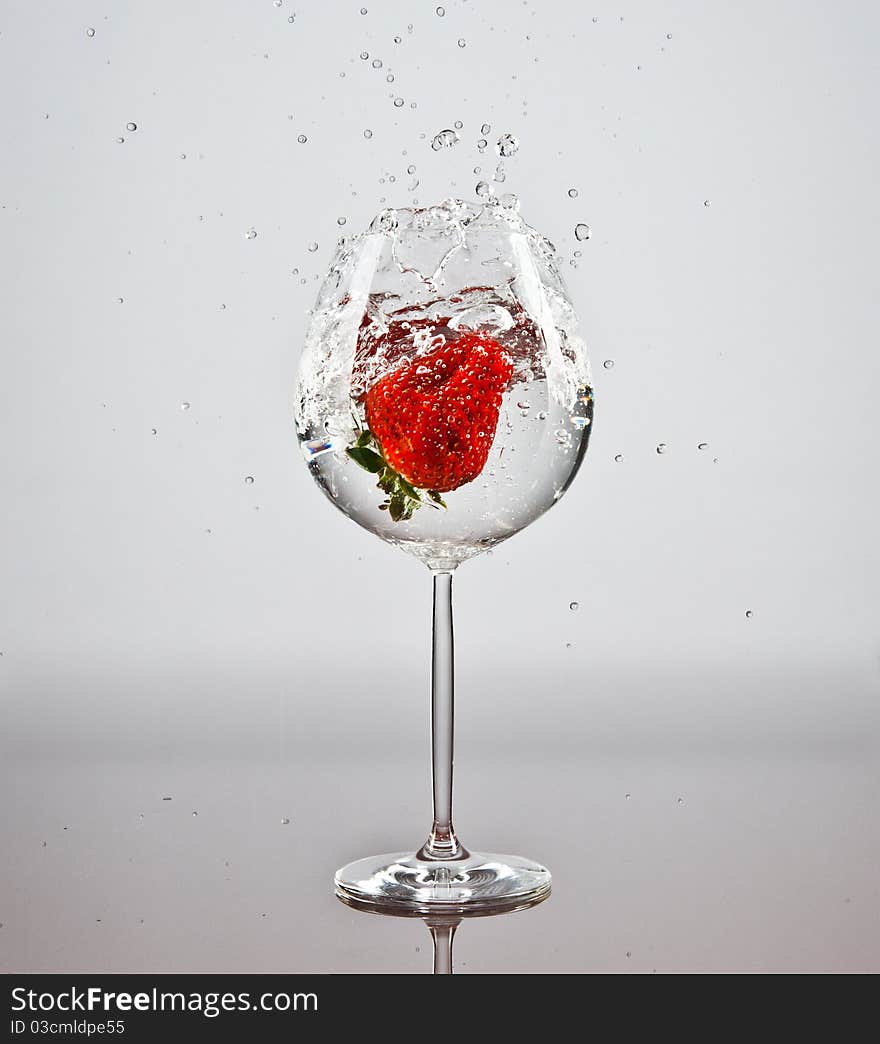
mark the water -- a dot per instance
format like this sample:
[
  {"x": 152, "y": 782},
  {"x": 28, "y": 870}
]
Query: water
[
  {"x": 396, "y": 302},
  {"x": 445, "y": 139}
]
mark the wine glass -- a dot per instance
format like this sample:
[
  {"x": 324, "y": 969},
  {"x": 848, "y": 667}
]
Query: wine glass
[
  {"x": 444, "y": 402},
  {"x": 442, "y": 924}
]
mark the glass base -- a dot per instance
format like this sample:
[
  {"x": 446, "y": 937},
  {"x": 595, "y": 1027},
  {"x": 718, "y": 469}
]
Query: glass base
[{"x": 479, "y": 883}]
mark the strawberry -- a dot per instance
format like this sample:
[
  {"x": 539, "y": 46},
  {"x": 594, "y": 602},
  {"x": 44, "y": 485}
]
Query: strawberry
[{"x": 432, "y": 421}]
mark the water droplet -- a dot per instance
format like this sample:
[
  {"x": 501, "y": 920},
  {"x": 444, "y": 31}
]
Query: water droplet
[
  {"x": 376, "y": 63},
  {"x": 368, "y": 133},
  {"x": 618, "y": 458},
  {"x": 444, "y": 140},
  {"x": 507, "y": 145},
  {"x": 574, "y": 606},
  {"x": 285, "y": 821},
  {"x": 749, "y": 614},
  {"x": 661, "y": 447},
  {"x": 707, "y": 202},
  {"x": 702, "y": 445},
  {"x": 572, "y": 193},
  {"x": 249, "y": 480},
  {"x": 398, "y": 103},
  {"x": 251, "y": 234},
  {"x": 608, "y": 364},
  {"x": 441, "y": 11},
  {"x": 302, "y": 139},
  {"x": 313, "y": 247},
  {"x": 581, "y": 232},
  {"x": 184, "y": 405},
  {"x": 462, "y": 42},
  {"x": 90, "y": 32}
]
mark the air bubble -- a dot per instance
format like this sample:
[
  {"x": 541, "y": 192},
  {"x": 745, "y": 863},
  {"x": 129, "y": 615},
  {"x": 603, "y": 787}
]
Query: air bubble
[
  {"x": 608, "y": 364},
  {"x": 572, "y": 193},
  {"x": 661, "y": 447},
  {"x": 340, "y": 221},
  {"x": 749, "y": 614},
  {"x": 302, "y": 139},
  {"x": 184, "y": 405},
  {"x": 251, "y": 234},
  {"x": 312, "y": 247},
  {"x": 507, "y": 145},
  {"x": 249, "y": 480},
  {"x": 574, "y": 606},
  {"x": 707, "y": 202},
  {"x": 365, "y": 55},
  {"x": 131, "y": 126},
  {"x": 398, "y": 103},
  {"x": 376, "y": 63},
  {"x": 702, "y": 445},
  {"x": 285, "y": 821},
  {"x": 581, "y": 232},
  {"x": 462, "y": 42},
  {"x": 90, "y": 32},
  {"x": 441, "y": 11},
  {"x": 485, "y": 129},
  {"x": 368, "y": 133},
  {"x": 618, "y": 458}
]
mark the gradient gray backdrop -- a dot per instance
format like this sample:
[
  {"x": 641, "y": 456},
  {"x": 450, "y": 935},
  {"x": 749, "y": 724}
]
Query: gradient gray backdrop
[{"x": 168, "y": 630}]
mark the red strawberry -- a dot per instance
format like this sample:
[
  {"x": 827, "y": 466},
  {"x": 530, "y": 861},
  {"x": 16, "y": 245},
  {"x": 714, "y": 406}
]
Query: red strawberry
[{"x": 435, "y": 418}]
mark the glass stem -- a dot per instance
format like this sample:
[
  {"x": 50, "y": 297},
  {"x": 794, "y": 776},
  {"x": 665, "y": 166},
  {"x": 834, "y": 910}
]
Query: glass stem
[
  {"x": 442, "y": 843},
  {"x": 442, "y": 932}
]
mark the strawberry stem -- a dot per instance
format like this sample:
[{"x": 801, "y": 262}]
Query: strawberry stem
[{"x": 402, "y": 497}]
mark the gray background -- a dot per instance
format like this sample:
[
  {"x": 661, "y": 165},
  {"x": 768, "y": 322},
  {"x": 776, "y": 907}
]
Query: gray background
[{"x": 170, "y": 631}]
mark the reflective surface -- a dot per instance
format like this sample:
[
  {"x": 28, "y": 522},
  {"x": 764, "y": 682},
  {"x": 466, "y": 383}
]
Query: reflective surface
[{"x": 769, "y": 863}]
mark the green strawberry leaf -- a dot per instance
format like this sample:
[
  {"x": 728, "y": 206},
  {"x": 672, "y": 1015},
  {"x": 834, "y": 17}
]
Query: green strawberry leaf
[
  {"x": 368, "y": 459},
  {"x": 403, "y": 497},
  {"x": 397, "y": 509}
]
